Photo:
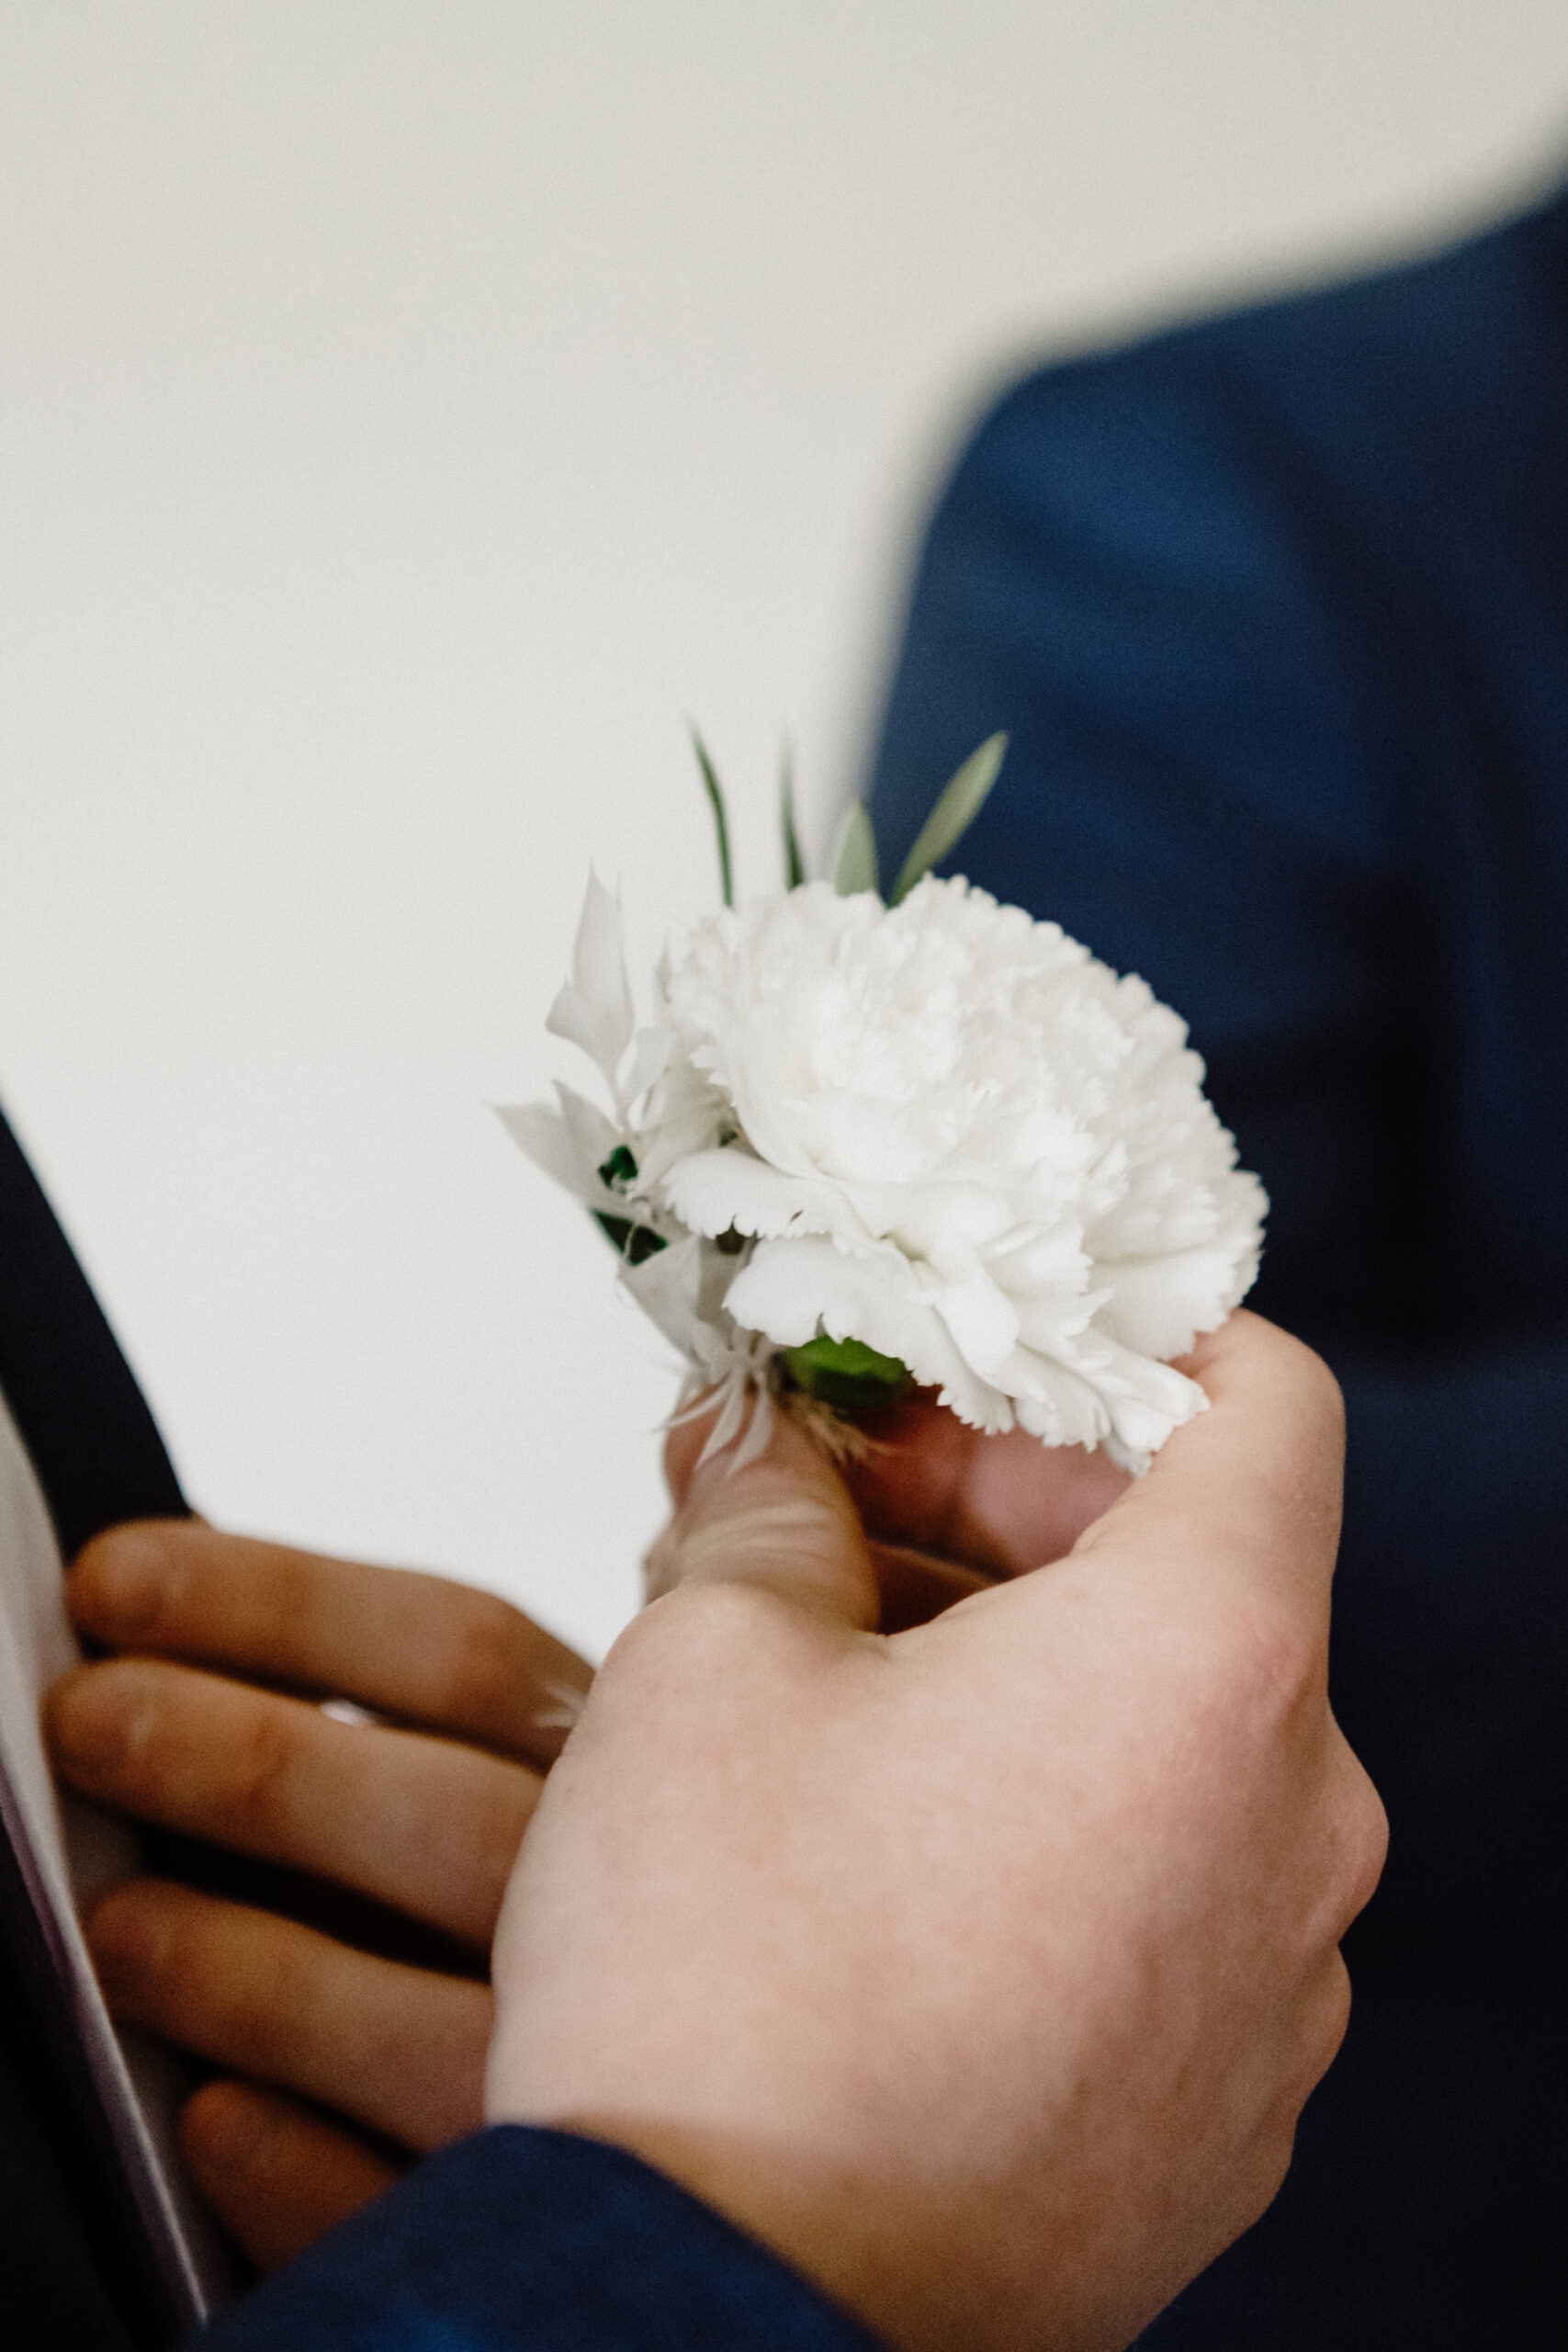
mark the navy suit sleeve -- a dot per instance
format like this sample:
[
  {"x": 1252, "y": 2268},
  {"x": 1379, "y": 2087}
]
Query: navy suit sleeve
[
  {"x": 1245, "y": 761},
  {"x": 529, "y": 2241}
]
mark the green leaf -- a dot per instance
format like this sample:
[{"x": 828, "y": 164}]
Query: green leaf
[
  {"x": 720, "y": 819},
  {"x": 956, "y": 811},
  {"x": 620, "y": 1167},
  {"x": 847, "y": 1373},
  {"x": 852, "y": 863},
  {"x": 795, "y": 865}
]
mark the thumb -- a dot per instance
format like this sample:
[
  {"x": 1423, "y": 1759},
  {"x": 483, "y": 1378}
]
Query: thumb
[
  {"x": 1247, "y": 1496},
  {"x": 785, "y": 1523}
]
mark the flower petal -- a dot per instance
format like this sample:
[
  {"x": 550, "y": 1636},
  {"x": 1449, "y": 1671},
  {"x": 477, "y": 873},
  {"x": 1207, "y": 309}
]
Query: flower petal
[
  {"x": 1158, "y": 1305},
  {"x": 595, "y": 1009},
  {"x": 592, "y": 1136},
  {"x": 544, "y": 1135},
  {"x": 791, "y": 1290},
  {"x": 713, "y": 1191},
  {"x": 668, "y": 1287}
]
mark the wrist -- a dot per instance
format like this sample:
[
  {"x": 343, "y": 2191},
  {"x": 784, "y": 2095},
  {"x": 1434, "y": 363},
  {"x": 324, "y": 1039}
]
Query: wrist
[{"x": 830, "y": 2223}]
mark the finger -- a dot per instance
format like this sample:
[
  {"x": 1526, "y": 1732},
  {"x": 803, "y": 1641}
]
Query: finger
[
  {"x": 397, "y": 2048},
  {"x": 1000, "y": 1504},
  {"x": 418, "y": 1647},
  {"x": 784, "y": 1523},
  {"x": 277, "y": 2175},
  {"x": 915, "y": 1588},
  {"x": 1246, "y": 1495},
  {"x": 426, "y": 1825}
]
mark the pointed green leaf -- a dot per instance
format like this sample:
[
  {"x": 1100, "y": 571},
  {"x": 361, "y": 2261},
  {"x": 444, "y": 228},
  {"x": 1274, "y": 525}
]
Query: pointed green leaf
[
  {"x": 795, "y": 865},
  {"x": 852, "y": 863},
  {"x": 720, "y": 818},
  {"x": 956, "y": 811}
]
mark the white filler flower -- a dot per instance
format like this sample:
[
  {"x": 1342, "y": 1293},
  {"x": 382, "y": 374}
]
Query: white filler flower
[{"x": 941, "y": 1129}]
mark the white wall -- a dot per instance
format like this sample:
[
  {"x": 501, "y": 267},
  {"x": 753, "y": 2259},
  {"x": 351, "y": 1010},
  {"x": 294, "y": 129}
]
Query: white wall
[{"x": 408, "y": 410}]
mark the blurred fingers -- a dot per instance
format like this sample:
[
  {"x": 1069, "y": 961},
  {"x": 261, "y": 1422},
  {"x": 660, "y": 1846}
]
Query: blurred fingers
[
  {"x": 426, "y": 1825},
  {"x": 1003, "y": 1505},
  {"x": 400, "y": 2050},
  {"x": 929, "y": 1483},
  {"x": 420, "y": 1647},
  {"x": 278, "y": 2175}
]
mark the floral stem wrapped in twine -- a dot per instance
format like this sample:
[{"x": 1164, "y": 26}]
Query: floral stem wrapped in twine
[{"x": 864, "y": 1144}]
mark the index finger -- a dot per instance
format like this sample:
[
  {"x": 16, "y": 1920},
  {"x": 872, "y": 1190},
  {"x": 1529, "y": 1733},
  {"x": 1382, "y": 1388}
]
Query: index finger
[{"x": 419, "y": 1647}]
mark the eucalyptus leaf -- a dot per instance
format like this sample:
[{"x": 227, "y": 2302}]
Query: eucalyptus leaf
[
  {"x": 956, "y": 811},
  {"x": 795, "y": 865},
  {"x": 720, "y": 816},
  {"x": 852, "y": 863}
]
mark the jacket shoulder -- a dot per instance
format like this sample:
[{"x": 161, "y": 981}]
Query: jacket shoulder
[{"x": 1468, "y": 345}]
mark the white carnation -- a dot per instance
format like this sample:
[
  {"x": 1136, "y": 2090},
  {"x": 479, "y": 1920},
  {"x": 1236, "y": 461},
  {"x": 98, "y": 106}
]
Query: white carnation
[{"x": 942, "y": 1129}]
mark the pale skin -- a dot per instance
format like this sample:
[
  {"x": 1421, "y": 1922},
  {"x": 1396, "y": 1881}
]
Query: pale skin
[
  {"x": 982, "y": 1970},
  {"x": 1167, "y": 1966}
]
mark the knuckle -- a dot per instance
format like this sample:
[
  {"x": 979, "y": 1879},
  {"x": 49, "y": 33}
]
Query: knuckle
[
  {"x": 106, "y": 1725},
  {"x": 479, "y": 1674},
  {"x": 695, "y": 1632},
  {"x": 1263, "y": 1665},
  {"x": 262, "y": 1754},
  {"x": 1328, "y": 2015},
  {"x": 1282, "y": 1657},
  {"x": 1321, "y": 1390},
  {"x": 271, "y": 1590},
  {"x": 1363, "y": 1840}
]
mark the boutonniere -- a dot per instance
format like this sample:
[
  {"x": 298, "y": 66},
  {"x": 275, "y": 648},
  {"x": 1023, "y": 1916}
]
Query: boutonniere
[{"x": 865, "y": 1143}]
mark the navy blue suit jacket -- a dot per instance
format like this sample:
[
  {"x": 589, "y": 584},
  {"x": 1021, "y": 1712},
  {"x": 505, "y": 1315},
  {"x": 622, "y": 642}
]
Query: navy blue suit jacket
[{"x": 1275, "y": 609}]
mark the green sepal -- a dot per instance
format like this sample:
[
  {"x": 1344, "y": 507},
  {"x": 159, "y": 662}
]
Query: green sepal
[
  {"x": 960, "y": 803},
  {"x": 847, "y": 1373},
  {"x": 852, "y": 863},
  {"x": 620, "y": 1167}
]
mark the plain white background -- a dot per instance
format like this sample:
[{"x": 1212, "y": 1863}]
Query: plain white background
[{"x": 409, "y": 410}]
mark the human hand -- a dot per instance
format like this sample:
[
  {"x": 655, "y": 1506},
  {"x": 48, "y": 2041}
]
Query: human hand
[
  {"x": 982, "y": 1970},
  {"x": 946, "y": 1510},
  {"x": 334, "y": 2060}
]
